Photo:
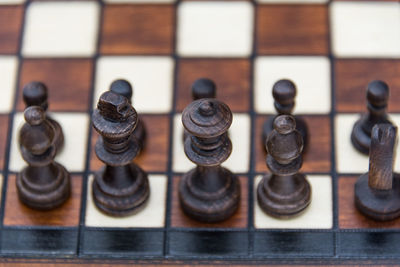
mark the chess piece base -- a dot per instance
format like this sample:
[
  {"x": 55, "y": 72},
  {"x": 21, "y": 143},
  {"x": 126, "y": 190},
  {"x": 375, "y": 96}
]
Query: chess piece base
[
  {"x": 381, "y": 205},
  {"x": 288, "y": 197},
  {"x": 301, "y": 126},
  {"x": 209, "y": 205},
  {"x": 121, "y": 190},
  {"x": 43, "y": 188}
]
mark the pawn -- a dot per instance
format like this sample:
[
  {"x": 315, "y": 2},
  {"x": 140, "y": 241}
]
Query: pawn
[
  {"x": 43, "y": 184},
  {"x": 35, "y": 94},
  {"x": 209, "y": 192},
  {"x": 377, "y": 98},
  {"x": 124, "y": 88},
  {"x": 203, "y": 88},
  {"x": 120, "y": 188},
  {"x": 284, "y": 193},
  {"x": 284, "y": 93},
  {"x": 377, "y": 193}
]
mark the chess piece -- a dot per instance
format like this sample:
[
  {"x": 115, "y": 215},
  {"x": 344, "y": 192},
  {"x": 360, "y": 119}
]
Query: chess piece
[
  {"x": 124, "y": 88},
  {"x": 202, "y": 88},
  {"x": 284, "y": 93},
  {"x": 377, "y": 193},
  {"x": 284, "y": 193},
  {"x": 377, "y": 98},
  {"x": 43, "y": 184},
  {"x": 121, "y": 187},
  {"x": 209, "y": 192},
  {"x": 35, "y": 94}
]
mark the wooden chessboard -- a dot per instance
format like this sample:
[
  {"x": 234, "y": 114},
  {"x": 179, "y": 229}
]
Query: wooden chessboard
[{"x": 330, "y": 49}]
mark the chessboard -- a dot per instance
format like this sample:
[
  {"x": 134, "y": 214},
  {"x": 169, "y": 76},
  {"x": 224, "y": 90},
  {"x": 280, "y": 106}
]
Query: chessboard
[{"x": 331, "y": 49}]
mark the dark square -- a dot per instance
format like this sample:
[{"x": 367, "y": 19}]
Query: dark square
[
  {"x": 138, "y": 29},
  {"x": 349, "y": 216},
  {"x": 69, "y": 82},
  {"x": 316, "y": 157},
  {"x": 154, "y": 157},
  {"x": 67, "y": 214},
  {"x": 352, "y": 77},
  {"x": 10, "y": 28},
  {"x": 238, "y": 220},
  {"x": 231, "y": 76},
  {"x": 292, "y": 29},
  {"x": 3, "y": 138}
]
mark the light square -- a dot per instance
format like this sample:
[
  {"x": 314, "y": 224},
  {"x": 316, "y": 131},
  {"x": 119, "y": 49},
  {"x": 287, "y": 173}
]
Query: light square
[
  {"x": 220, "y": 29},
  {"x": 152, "y": 215},
  {"x": 59, "y": 29},
  {"x": 292, "y": 1},
  {"x": 348, "y": 159},
  {"x": 365, "y": 29},
  {"x": 239, "y": 134},
  {"x": 150, "y": 77},
  {"x": 318, "y": 215},
  {"x": 310, "y": 74},
  {"x": 8, "y": 70},
  {"x": 73, "y": 154}
]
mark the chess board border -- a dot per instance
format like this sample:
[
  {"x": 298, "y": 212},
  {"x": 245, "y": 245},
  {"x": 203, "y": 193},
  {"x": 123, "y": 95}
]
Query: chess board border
[{"x": 175, "y": 245}]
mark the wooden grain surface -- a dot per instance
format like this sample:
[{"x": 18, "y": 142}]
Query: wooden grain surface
[
  {"x": 68, "y": 82},
  {"x": 352, "y": 77},
  {"x": 306, "y": 29},
  {"x": 17, "y": 213},
  {"x": 143, "y": 29},
  {"x": 349, "y": 216},
  {"x": 3, "y": 138},
  {"x": 231, "y": 76},
  {"x": 317, "y": 156},
  {"x": 238, "y": 220},
  {"x": 10, "y": 25},
  {"x": 154, "y": 157}
]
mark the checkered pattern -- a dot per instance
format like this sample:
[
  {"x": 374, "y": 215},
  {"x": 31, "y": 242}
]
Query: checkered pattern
[{"x": 331, "y": 49}]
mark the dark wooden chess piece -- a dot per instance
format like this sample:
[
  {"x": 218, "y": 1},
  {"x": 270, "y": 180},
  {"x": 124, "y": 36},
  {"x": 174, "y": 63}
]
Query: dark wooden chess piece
[
  {"x": 35, "y": 94},
  {"x": 377, "y": 193},
  {"x": 377, "y": 98},
  {"x": 284, "y": 193},
  {"x": 121, "y": 187},
  {"x": 124, "y": 88},
  {"x": 209, "y": 192},
  {"x": 284, "y": 93},
  {"x": 43, "y": 184},
  {"x": 202, "y": 88}
]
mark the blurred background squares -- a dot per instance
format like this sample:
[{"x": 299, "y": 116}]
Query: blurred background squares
[
  {"x": 215, "y": 29},
  {"x": 365, "y": 29},
  {"x": 60, "y": 29}
]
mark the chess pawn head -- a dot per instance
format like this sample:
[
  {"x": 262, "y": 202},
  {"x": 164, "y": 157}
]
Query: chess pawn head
[
  {"x": 284, "y": 93},
  {"x": 203, "y": 88},
  {"x": 122, "y": 87},
  {"x": 35, "y": 94},
  {"x": 377, "y": 96},
  {"x": 37, "y": 137}
]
